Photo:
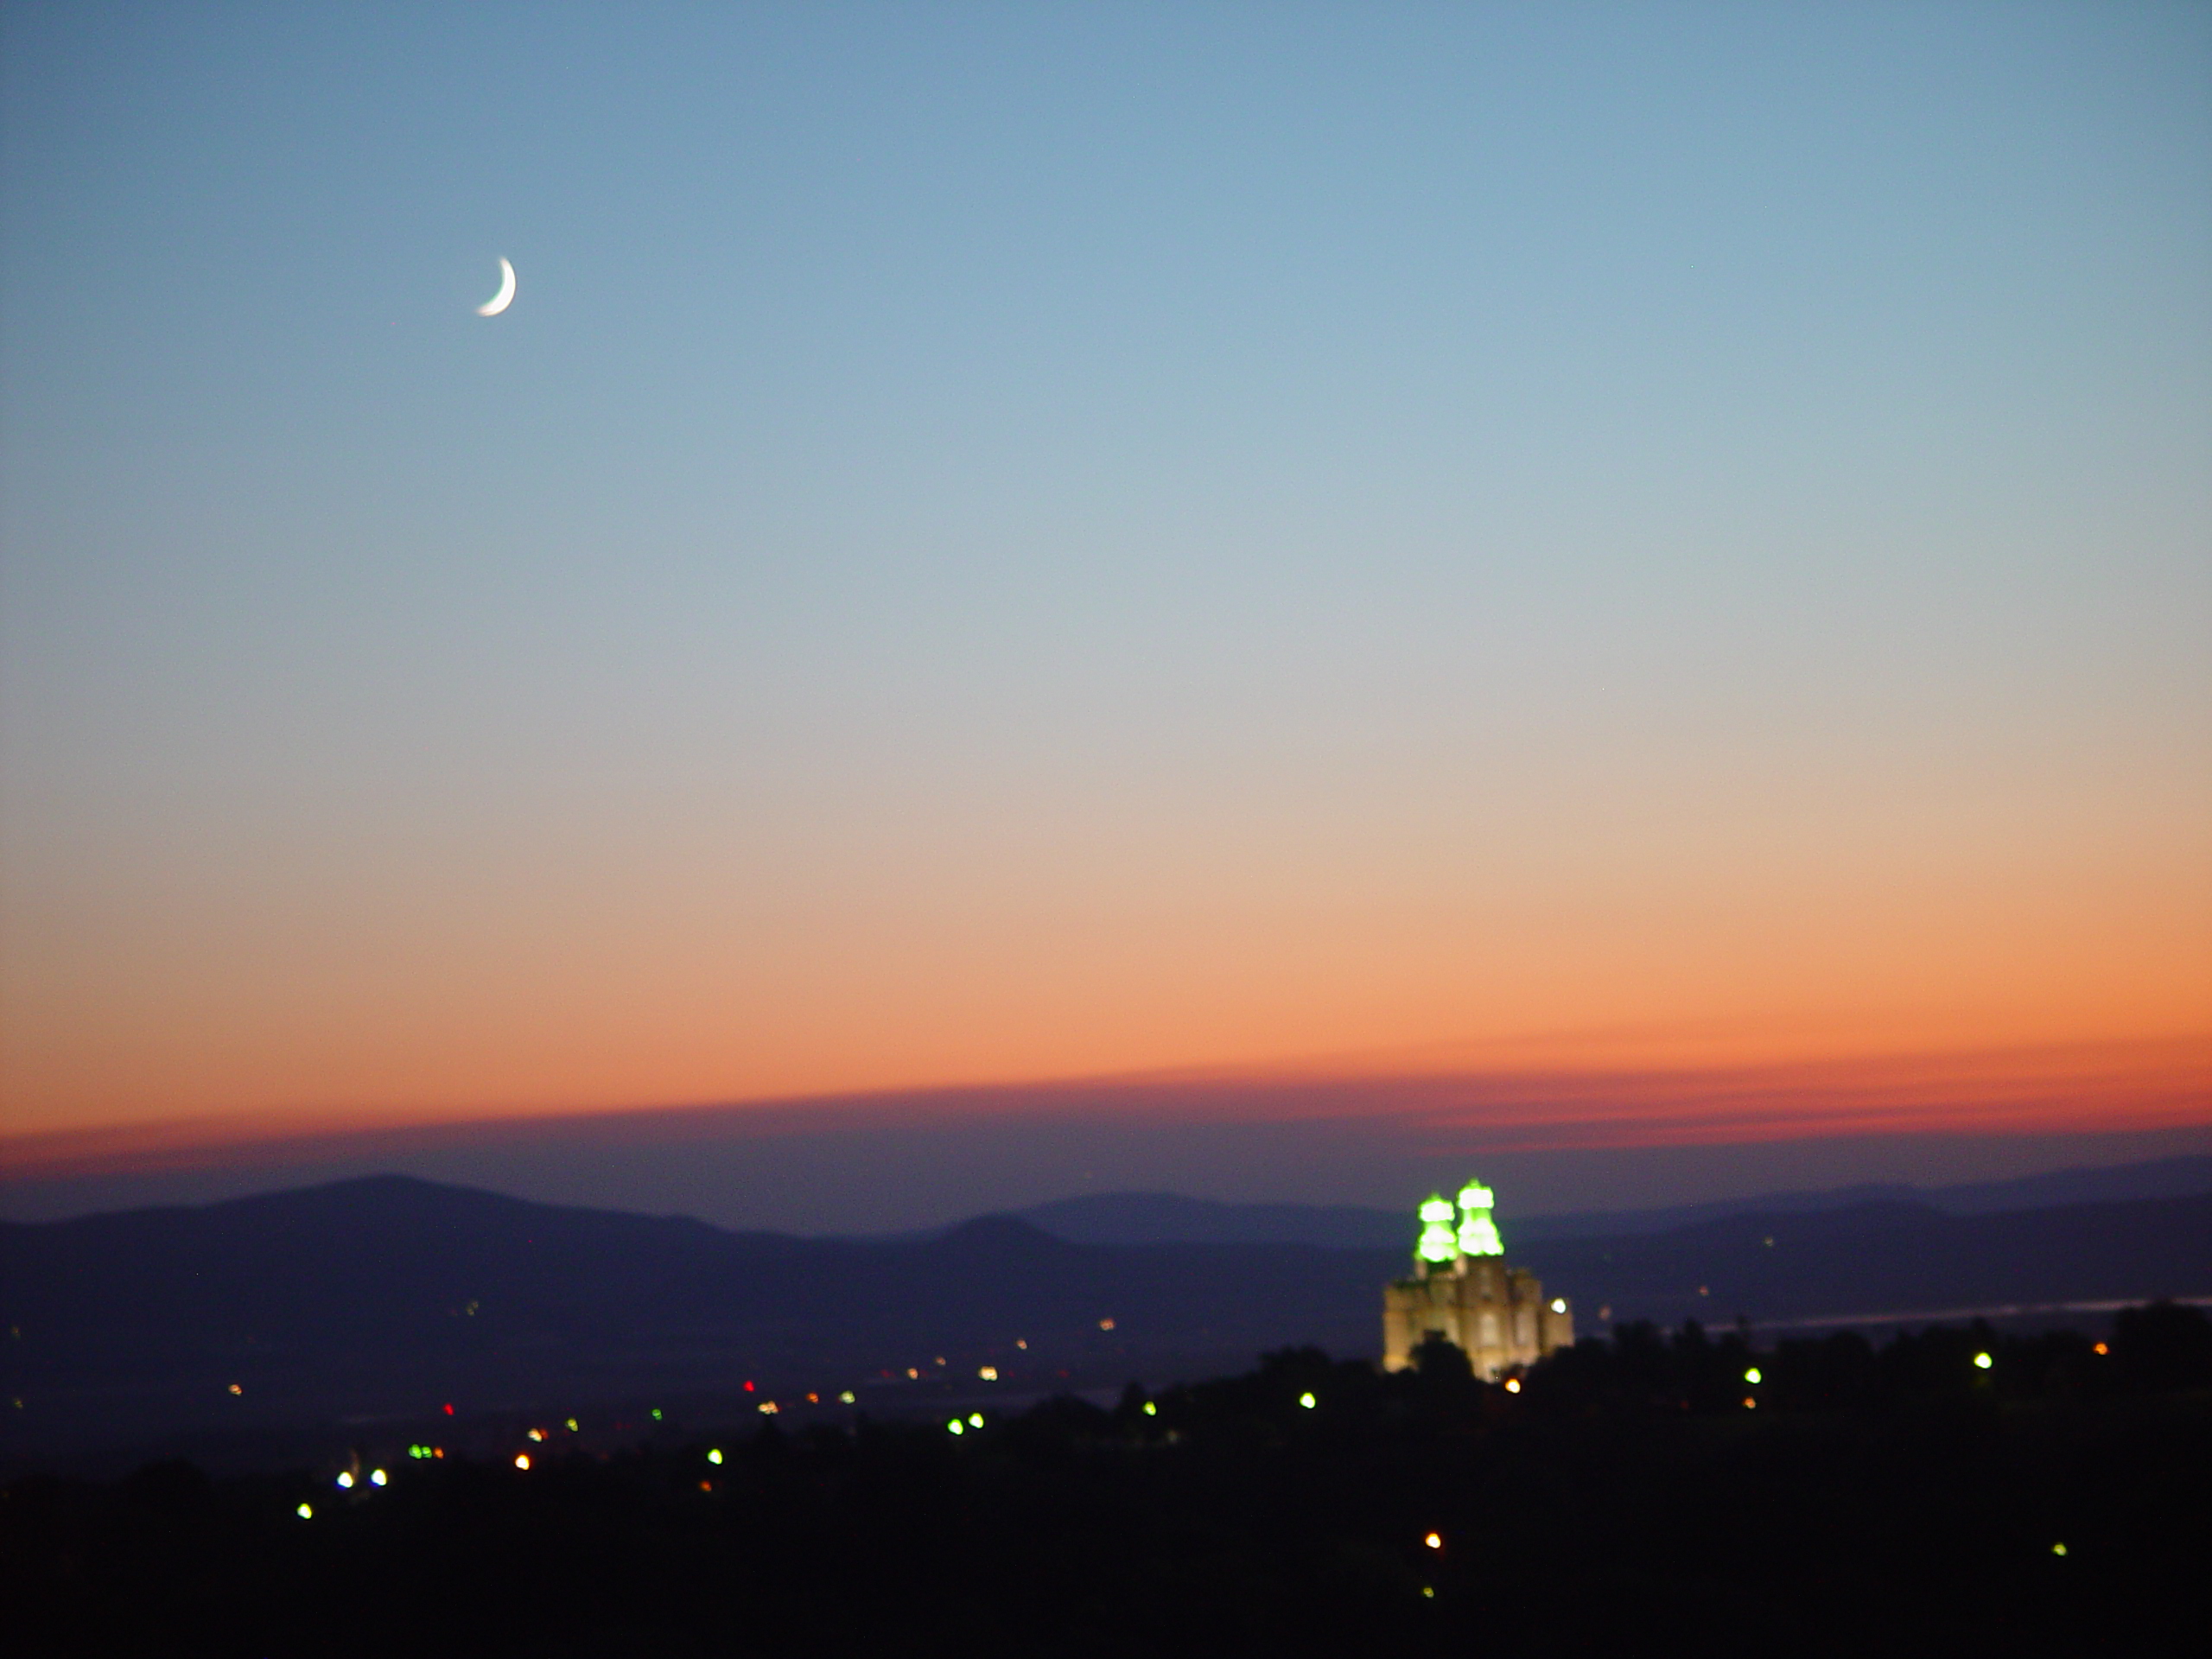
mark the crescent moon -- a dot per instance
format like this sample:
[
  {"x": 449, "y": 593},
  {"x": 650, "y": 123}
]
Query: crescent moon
[{"x": 505, "y": 297}]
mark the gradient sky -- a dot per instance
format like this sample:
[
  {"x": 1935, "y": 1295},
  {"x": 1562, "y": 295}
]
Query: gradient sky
[{"x": 999, "y": 544}]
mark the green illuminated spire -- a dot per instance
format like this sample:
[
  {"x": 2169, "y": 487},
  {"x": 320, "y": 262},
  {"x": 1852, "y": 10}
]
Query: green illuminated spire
[
  {"x": 1436, "y": 1242},
  {"x": 1477, "y": 1232}
]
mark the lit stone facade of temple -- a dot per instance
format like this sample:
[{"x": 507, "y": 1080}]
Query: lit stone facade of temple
[{"x": 1463, "y": 1291}]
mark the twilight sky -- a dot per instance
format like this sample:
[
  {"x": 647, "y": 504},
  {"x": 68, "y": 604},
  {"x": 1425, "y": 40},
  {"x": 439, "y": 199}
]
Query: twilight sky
[{"x": 1487, "y": 550}]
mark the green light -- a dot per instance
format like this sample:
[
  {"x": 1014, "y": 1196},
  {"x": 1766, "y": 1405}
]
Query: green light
[
  {"x": 715, "y": 1456},
  {"x": 1151, "y": 1410},
  {"x": 956, "y": 1427},
  {"x": 1477, "y": 1232},
  {"x": 1752, "y": 1376},
  {"x": 1478, "y": 1236},
  {"x": 656, "y": 1413},
  {"x": 975, "y": 1419},
  {"x": 305, "y": 1511},
  {"x": 1307, "y": 1401},
  {"x": 1436, "y": 1242},
  {"x": 2058, "y": 1549},
  {"x": 1982, "y": 1362}
]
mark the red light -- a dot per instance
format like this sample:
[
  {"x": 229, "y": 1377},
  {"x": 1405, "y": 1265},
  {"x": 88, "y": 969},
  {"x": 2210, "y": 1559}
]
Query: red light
[
  {"x": 448, "y": 1410},
  {"x": 749, "y": 1385}
]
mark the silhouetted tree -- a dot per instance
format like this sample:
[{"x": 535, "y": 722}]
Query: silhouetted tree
[{"x": 2165, "y": 1346}]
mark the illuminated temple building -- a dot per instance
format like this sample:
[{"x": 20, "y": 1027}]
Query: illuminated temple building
[{"x": 1462, "y": 1291}]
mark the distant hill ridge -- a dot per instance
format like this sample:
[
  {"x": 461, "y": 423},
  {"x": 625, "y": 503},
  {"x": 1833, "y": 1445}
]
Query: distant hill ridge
[
  {"x": 390, "y": 1295},
  {"x": 1171, "y": 1218}
]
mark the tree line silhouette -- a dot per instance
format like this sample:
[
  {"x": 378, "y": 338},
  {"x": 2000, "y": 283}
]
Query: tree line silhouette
[{"x": 1622, "y": 1498}]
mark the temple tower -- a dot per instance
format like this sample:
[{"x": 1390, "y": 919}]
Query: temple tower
[{"x": 1463, "y": 1291}]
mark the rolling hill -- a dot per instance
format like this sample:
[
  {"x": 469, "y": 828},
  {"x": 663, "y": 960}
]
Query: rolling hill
[{"x": 390, "y": 1296}]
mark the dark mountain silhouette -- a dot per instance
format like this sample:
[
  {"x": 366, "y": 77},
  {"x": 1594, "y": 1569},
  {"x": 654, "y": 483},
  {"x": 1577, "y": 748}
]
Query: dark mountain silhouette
[
  {"x": 393, "y": 1296},
  {"x": 1171, "y": 1218},
  {"x": 1889, "y": 1258}
]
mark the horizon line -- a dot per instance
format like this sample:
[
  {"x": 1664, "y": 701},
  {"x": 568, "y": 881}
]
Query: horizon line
[{"x": 2080, "y": 1086}]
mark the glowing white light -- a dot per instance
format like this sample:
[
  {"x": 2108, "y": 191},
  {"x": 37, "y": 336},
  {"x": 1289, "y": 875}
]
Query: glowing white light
[
  {"x": 345, "y": 1483},
  {"x": 1150, "y": 1409},
  {"x": 1513, "y": 1385},
  {"x": 1434, "y": 1541},
  {"x": 975, "y": 1419},
  {"x": 1983, "y": 1362},
  {"x": 305, "y": 1511},
  {"x": 492, "y": 308},
  {"x": 1753, "y": 1377},
  {"x": 768, "y": 1408},
  {"x": 1559, "y": 1304},
  {"x": 1477, "y": 1232},
  {"x": 956, "y": 1427},
  {"x": 1307, "y": 1401},
  {"x": 989, "y": 1373},
  {"x": 1437, "y": 1244},
  {"x": 522, "y": 1459},
  {"x": 715, "y": 1456},
  {"x": 378, "y": 1478}
]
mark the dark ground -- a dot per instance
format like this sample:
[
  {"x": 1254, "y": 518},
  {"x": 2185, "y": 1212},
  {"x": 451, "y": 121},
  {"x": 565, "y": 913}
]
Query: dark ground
[{"x": 1624, "y": 1500}]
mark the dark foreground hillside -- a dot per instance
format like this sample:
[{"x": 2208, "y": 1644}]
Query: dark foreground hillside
[{"x": 1626, "y": 1499}]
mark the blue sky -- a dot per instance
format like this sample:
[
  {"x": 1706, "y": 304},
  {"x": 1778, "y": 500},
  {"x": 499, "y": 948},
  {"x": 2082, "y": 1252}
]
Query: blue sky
[{"x": 999, "y": 543}]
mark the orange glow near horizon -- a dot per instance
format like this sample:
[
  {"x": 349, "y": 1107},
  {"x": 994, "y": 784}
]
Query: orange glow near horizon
[
  {"x": 2088, "y": 1087},
  {"x": 621, "y": 995}
]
